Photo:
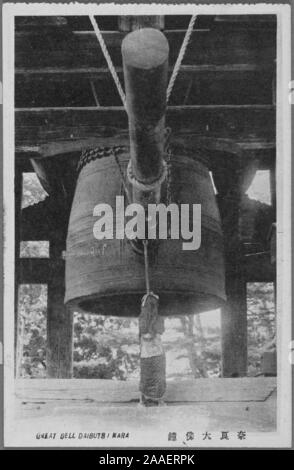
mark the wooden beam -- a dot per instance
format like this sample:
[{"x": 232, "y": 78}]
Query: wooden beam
[
  {"x": 34, "y": 270},
  {"x": 36, "y": 126},
  {"x": 69, "y": 148},
  {"x": 254, "y": 21},
  {"x": 216, "y": 71},
  {"x": 206, "y": 47},
  {"x": 103, "y": 391},
  {"x": 248, "y": 404},
  {"x": 35, "y": 23},
  {"x": 262, "y": 149}
]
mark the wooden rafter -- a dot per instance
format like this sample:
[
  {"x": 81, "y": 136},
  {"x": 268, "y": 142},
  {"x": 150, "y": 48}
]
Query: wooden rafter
[
  {"x": 206, "y": 47},
  {"x": 102, "y": 73},
  {"x": 37, "y": 126}
]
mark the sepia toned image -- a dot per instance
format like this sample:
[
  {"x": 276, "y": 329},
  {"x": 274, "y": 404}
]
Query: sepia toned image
[{"x": 147, "y": 226}]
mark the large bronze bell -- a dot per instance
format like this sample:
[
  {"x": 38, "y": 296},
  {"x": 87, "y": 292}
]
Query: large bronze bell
[{"x": 107, "y": 276}]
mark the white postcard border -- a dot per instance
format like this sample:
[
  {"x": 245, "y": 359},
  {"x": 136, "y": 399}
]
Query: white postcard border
[{"x": 281, "y": 438}]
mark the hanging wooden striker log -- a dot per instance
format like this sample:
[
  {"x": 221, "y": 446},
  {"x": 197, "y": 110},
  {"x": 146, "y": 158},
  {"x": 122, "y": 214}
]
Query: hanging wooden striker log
[{"x": 145, "y": 63}]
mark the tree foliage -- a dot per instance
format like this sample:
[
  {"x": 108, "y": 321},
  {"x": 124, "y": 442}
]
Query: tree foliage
[{"x": 108, "y": 347}]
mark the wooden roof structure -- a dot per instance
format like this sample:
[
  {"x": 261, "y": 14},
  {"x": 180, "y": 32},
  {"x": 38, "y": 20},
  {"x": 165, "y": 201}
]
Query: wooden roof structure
[{"x": 64, "y": 93}]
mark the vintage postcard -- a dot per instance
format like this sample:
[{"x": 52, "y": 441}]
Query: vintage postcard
[{"x": 147, "y": 225}]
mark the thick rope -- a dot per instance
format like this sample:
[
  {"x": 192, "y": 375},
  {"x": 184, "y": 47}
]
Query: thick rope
[
  {"x": 146, "y": 186},
  {"x": 146, "y": 264},
  {"x": 108, "y": 60},
  {"x": 180, "y": 57},
  {"x": 123, "y": 179}
]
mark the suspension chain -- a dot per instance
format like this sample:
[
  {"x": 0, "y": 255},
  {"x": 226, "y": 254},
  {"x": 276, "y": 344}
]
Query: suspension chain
[
  {"x": 168, "y": 177},
  {"x": 90, "y": 155}
]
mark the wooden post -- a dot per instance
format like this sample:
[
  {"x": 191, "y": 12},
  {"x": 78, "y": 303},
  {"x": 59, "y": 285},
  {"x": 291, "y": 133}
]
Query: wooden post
[
  {"x": 130, "y": 23},
  {"x": 231, "y": 184},
  {"x": 234, "y": 315},
  {"x": 49, "y": 219},
  {"x": 17, "y": 219},
  {"x": 273, "y": 238},
  {"x": 59, "y": 317}
]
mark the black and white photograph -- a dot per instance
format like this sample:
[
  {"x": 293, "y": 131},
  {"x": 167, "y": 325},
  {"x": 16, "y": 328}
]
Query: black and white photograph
[{"x": 147, "y": 225}]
